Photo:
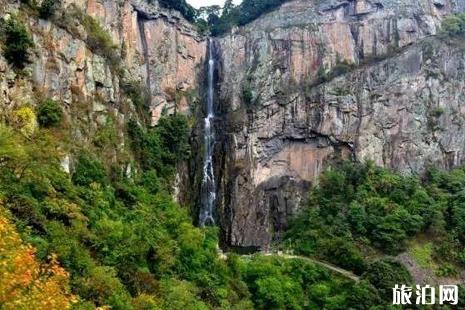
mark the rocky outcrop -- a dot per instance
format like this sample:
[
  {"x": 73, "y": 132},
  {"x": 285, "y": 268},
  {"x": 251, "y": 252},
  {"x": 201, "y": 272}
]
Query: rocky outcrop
[
  {"x": 159, "y": 48},
  {"x": 155, "y": 47},
  {"x": 288, "y": 115},
  {"x": 152, "y": 48},
  {"x": 306, "y": 84}
]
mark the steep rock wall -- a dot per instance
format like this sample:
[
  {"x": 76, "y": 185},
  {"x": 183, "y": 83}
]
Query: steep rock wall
[
  {"x": 154, "y": 48},
  {"x": 285, "y": 123}
]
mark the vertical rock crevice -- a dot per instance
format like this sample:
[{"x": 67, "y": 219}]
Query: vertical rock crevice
[{"x": 145, "y": 54}]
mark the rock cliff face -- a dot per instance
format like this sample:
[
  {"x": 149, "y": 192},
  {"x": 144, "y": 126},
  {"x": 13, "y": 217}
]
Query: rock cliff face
[
  {"x": 157, "y": 46},
  {"x": 153, "y": 48},
  {"x": 300, "y": 87},
  {"x": 319, "y": 80}
]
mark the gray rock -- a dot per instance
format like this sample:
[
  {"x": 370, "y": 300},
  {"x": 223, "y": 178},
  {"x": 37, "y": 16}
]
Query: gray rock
[{"x": 403, "y": 112}]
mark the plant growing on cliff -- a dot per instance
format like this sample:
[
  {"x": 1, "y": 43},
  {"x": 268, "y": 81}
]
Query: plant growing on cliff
[
  {"x": 88, "y": 170},
  {"x": 98, "y": 39},
  {"x": 138, "y": 94},
  {"x": 160, "y": 148},
  {"x": 17, "y": 43},
  {"x": 453, "y": 25},
  {"x": 180, "y": 5},
  {"x": 242, "y": 14},
  {"x": 48, "y": 8},
  {"x": 25, "y": 120},
  {"x": 49, "y": 113}
]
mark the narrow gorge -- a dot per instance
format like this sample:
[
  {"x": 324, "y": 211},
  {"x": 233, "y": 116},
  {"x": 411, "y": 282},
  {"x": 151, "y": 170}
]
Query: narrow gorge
[
  {"x": 208, "y": 190},
  {"x": 138, "y": 136}
]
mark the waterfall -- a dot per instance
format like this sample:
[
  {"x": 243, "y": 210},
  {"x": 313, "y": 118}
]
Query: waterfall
[
  {"x": 208, "y": 184},
  {"x": 145, "y": 51}
]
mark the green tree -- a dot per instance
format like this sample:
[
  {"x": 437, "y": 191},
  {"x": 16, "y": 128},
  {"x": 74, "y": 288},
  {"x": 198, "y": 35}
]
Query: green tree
[
  {"x": 48, "y": 7},
  {"x": 385, "y": 274},
  {"x": 17, "y": 43},
  {"x": 49, "y": 113},
  {"x": 88, "y": 170}
]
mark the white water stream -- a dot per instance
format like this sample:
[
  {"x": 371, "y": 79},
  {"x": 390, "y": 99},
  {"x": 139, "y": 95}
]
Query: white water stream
[{"x": 208, "y": 184}]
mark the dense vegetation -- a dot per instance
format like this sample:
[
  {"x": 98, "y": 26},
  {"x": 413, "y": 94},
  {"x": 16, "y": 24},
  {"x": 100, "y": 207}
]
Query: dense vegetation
[
  {"x": 48, "y": 8},
  {"x": 125, "y": 243},
  {"x": 49, "y": 113},
  {"x": 109, "y": 236},
  {"x": 182, "y": 6},
  {"x": 17, "y": 42},
  {"x": 454, "y": 25},
  {"x": 240, "y": 15},
  {"x": 25, "y": 283},
  {"x": 359, "y": 211},
  {"x": 218, "y": 20}
]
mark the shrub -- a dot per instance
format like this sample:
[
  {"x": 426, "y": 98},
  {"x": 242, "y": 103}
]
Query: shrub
[
  {"x": 138, "y": 94},
  {"x": 161, "y": 147},
  {"x": 453, "y": 25},
  {"x": 182, "y": 6},
  {"x": 341, "y": 67},
  {"x": 247, "y": 94},
  {"x": 25, "y": 121},
  {"x": 98, "y": 39},
  {"x": 26, "y": 284},
  {"x": 48, "y": 8},
  {"x": 437, "y": 112},
  {"x": 385, "y": 274},
  {"x": 242, "y": 14},
  {"x": 17, "y": 43},
  {"x": 49, "y": 113},
  {"x": 88, "y": 170}
]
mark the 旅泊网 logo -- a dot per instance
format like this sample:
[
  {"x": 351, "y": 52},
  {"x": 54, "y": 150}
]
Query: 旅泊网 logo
[{"x": 425, "y": 295}]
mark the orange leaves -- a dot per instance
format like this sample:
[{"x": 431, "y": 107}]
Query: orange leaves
[{"x": 26, "y": 284}]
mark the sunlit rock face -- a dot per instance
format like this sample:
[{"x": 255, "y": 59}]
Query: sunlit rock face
[
  {"x": 295, "y": 90},
  {"x": 156, "y": 50},
  {"x": 396, "y": 101},
  {"x": 158, "y": 47}
]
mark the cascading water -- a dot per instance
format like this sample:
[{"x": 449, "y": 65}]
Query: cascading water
[{"x": 208, "y": 183}]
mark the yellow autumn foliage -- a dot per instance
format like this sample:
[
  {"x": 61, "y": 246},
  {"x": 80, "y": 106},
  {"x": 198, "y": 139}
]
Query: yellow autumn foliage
[
  {"x": 25, "y": 284},
  {"x": 26, "y": 120}
]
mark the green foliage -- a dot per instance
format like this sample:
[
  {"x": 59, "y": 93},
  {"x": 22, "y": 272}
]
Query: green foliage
[
  {"x": 138, "y": 95},
  {"x": 127, "y": 246},
  {"x": 48, "y": 8},
  {"x": 422, "y": 253},
  {"x": 88, "y": 170},
  {"x": 385, "y": 274},
  {"x": 182, "y": 6},
  {"x": 360, "y": 205},
  {"x": 160, "y": 148},
  {"x": 98, "y": 39},
  {"x": 244, "y": 13},
  {"x": 49, "y": 113},
  {"x": 114, "y": 248},
  {"x": 323, "y": 75},
  {"x": 247, "y": 94},
  {"x": 277, "y": 283},
  {"x": 341, "y": 67},
  {"x": 453, "y": 25},
  {"x": 437, "y": 112},
  {"x": 17, "y": 43}
]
